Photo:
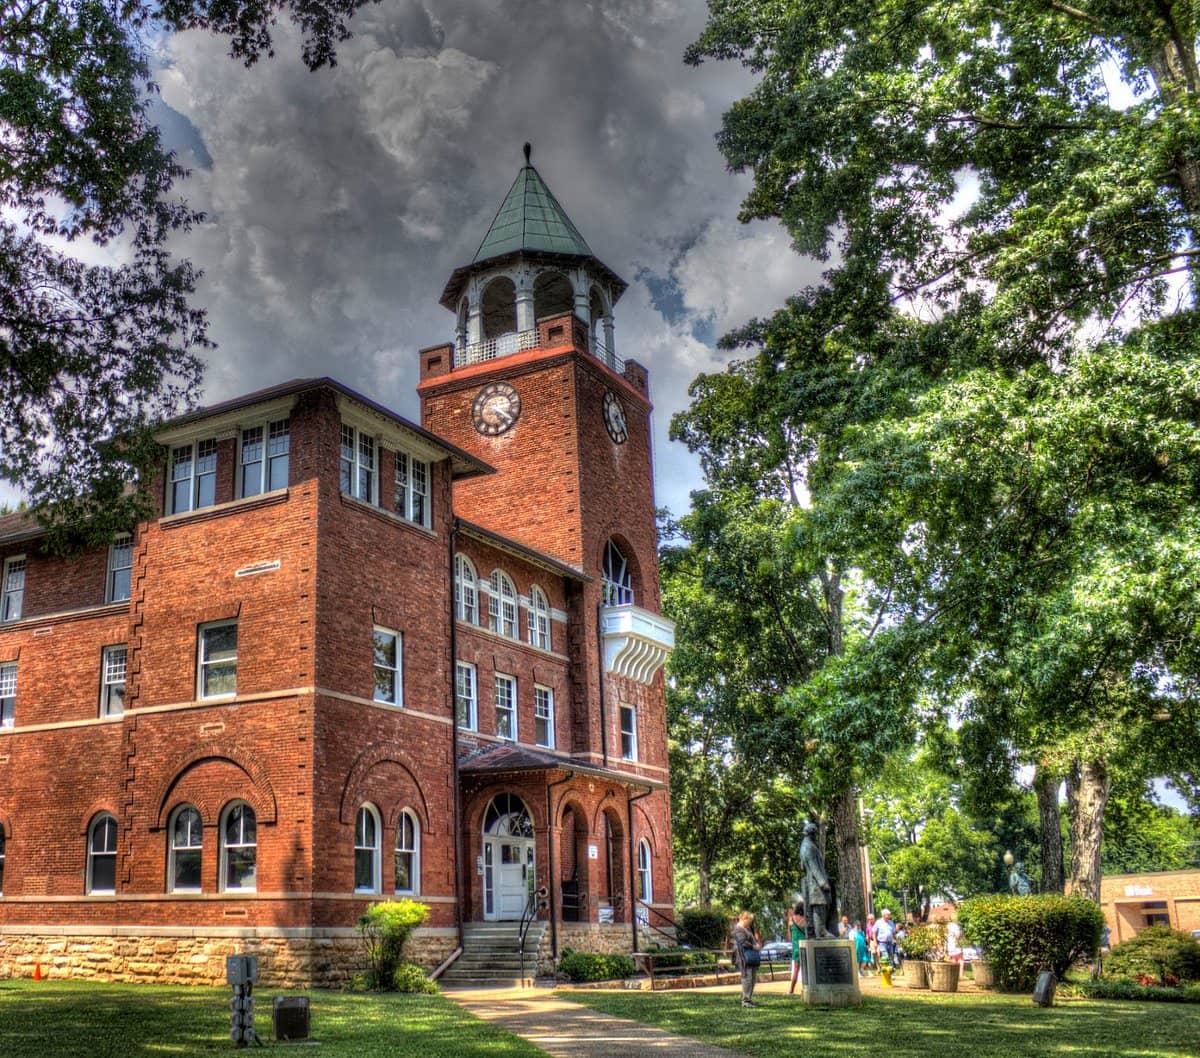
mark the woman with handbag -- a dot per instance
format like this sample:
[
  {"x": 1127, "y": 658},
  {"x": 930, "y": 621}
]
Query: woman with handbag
[{"x": 747, "y": 954}]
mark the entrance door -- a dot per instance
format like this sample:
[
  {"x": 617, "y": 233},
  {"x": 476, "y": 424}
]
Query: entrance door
[{"x": 508, "y": 858}]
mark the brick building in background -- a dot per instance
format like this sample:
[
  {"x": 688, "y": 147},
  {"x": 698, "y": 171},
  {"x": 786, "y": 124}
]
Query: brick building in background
[{"x": 353, "y": 658}]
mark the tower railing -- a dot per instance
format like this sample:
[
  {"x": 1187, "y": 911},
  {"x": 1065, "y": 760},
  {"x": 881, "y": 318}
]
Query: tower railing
[{"x": 520, "y": 341}]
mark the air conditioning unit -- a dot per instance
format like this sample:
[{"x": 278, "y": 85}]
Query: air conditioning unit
[{"x": 291, "y": 1017}]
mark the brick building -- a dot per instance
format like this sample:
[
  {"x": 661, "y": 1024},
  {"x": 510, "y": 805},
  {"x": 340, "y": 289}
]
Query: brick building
[
  {"x": 1131, "y": 902},
  {"x": 354, "y": 657}
]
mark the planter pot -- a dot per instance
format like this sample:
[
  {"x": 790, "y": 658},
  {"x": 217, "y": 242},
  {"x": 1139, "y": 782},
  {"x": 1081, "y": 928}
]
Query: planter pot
[
  {"x": 982, "y": 973},
  {"x": 916, "y": 973},
  {"x": 943, "y": 976}
]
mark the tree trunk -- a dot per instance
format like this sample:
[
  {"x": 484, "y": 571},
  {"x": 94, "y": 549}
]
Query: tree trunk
[
  {"x": 849, "y": 852},
  {"x": 704, "y": 882},
  {"x": 1046, "y": 783},
  {"x": 1088, "y": 792}
]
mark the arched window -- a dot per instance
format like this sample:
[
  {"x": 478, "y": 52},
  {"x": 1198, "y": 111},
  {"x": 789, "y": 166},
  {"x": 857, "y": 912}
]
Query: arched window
[
  {"x": 184, "y": 854},
  {"x": 615, "y": 579},
  {"x": 645, "y": 883},
  {"x": 366, "y": 850},
  {"x": 507, "y": 816},
  {"x": 539, "y": 619},
  {"x": 502, "y": 605},
  {"x": 552, "y": 295},
  {"x": 408, "y": 853},
  {"x": 102, "y": 855},
  {"x": 499, "y": 308},
  {"x": 239, "y": 848},
  {"x": 466, "y": 598}
]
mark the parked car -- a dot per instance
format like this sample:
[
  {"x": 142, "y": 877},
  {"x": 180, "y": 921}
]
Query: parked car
[
  {"x": 971, "y": 954},
  {"x": 777, "y": 951}
]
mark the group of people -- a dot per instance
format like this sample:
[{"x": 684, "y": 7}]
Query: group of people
[
  {"x": 746, "y": 938},
  {"x": 877, "y": 942}
]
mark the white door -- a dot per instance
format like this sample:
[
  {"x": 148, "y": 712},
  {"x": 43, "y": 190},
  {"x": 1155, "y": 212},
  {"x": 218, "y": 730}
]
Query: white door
[{"x": 508, "y": 869}]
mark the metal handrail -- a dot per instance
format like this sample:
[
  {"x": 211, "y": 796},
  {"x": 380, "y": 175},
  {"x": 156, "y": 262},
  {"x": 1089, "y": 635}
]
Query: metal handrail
[{"x": 536, "y": 902}]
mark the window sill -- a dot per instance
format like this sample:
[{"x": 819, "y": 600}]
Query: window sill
[
  {"x": 219, "y": 510},
  {"x": 390, "y": 517}
]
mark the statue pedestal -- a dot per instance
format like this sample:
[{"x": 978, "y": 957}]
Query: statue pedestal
[{"x": 830, "y": 973}]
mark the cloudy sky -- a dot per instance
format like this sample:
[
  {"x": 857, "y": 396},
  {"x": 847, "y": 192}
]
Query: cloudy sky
[{"x": 340, "y": 201}]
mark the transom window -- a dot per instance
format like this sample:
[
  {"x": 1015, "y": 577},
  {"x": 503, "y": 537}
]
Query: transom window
[
  {"x": 408, "y": 853},
  {"x": 506, "y": 707},
  {"x": 13, "y": 599},
  {"x": 644, "y": 881},
  {"x": 217, "y": 664},
  {"x": 120, "y": 568},
  {"x": 8, "y": 693},
  {"x": 616, "y": 582},
  {"x": 388, "y": 665},
  {"x": 412, "y": 488},
  {"x": 366, "y": 850},
  {"x": 193, "y": 476},
  {"x": 112, "y": 680},
  {"x": 629, "y": 746},
  {"x": 358, "y": 464},
  {"x": 502, "y": 605},
  {"x": 466, "y": 596},
  {"x": 102, "y": 855},
  {"x": 264, "y": 461},
  {"x": 239, "y": 848},
  {"x": 465, "y": 695},
  {"x": 539, "y": 619},
  {"x": 507, "y": 816},
  {"x": 187, "y": 846},
  {"x": 543, "y": 716}
]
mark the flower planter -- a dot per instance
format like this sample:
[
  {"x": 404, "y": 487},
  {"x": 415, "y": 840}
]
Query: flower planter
[
  {"x": 982, "y": 973},
  {"x": 916, "y": 973},
  {"x": 943, "y": 976}
]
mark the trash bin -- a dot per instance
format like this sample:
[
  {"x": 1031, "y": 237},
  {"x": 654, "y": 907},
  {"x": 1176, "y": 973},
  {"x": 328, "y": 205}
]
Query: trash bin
[{"x": 291, "y": 1017}]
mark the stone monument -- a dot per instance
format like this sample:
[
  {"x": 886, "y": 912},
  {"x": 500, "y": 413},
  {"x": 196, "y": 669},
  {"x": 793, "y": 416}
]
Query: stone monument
[{"x": 830, "y": 972}]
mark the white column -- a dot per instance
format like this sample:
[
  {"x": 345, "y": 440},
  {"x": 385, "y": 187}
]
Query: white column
[
  {"x": 610, "y": 343},
  {"x": 526, "y": 320}
]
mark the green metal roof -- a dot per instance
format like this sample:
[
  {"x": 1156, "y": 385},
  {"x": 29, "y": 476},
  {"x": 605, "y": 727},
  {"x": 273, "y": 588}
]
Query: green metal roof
[{"x": 530, "y": 219}]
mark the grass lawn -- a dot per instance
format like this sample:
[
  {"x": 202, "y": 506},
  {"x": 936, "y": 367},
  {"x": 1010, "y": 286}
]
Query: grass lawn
[
  {"x": 86, "y": 1019},
  {"x": 913, "y": 1024}
]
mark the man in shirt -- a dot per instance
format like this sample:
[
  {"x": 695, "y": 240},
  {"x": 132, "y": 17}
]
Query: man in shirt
[{"x": 885, "y": 936}]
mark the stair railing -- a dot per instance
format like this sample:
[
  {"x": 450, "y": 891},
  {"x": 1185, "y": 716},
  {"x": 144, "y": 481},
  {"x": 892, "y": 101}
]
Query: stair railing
[{"x": 537, "y": 902}]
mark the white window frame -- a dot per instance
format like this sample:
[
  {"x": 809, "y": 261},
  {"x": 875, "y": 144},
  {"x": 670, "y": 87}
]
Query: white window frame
[
  {"x": 201, "y": 480},
  {"x": 94, "y": 853},
  {"x": 466, "y": 696},
  {"x": 629, "y": 738},
  {"x": 12, "y": 602},
  {"x": 411, "y": 498},
  {"x": 539, "y": 619},
  {"x": 466, "y": 590},
  {"x": 274, "y": 443},
  {"x": 242, "y": 843},
  {"x": 506, "y": 706},
  {"x": 114, "y": 668},
  {"x": 118, "y": 581},
  {"x": 174, "y": 849},
  {"x": 8, "y": 693},
  {"x": 380, "y": 636},
  {"x": 412, "y": 850},
  {"x": 502, "y": 605},
  {"x": 543, "y": 716},
  {"x": 205, "y": 664},
  {"x": 645, "y": 877},
  {"x": 368, "y": 847},
  {"x": 358, "y": 466}
]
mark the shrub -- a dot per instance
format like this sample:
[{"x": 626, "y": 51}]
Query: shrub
[
  {"x": 679, "y": 958},
  {"x": 926, "y": 942},
  {"x": 1158, "y": 953},
  {"x": 594, "y": 966},
  {"x": 1125, "y": 989},
  {"x": 409, "y": 977},
  {"x": 1023, "y": 935},
  {"x": 385, "y": 927},
  {"x": 705, "y": 927}
]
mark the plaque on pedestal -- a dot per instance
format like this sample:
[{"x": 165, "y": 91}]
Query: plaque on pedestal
[{"x": 830, "y": 973}]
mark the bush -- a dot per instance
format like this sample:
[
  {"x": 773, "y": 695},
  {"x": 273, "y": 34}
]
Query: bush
[
  {"x": 705, "y": 927},
  {"x": 1158, "y": 953},
  {"x": 593, "y": 966},
  {"x": 1126, "y": 989},
  {"x": 679, "y": 958},
  {"x": 385, "y": 927},
  {"x": 409, "y": 977},
  {"x": 926, "y": 942},
  {"x": 1022, "y": 935}
]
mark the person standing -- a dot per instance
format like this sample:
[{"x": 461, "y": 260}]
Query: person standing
[
  {"x": 798, "y": 934},
  {"x": 844, "y": 926},
  {"x": 746, "y": 947},
  {"x": 861, "y": 954},
  {"x": 885, "y": 936}
]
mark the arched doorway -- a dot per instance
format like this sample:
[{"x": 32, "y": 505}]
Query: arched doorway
[
  {"x": 612, "y": 880},
  {"x": 508, "y": 858}
]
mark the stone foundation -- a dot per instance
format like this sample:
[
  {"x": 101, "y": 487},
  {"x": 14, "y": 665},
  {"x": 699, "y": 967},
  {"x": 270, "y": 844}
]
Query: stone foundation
[{"x": 328, "y": 958}]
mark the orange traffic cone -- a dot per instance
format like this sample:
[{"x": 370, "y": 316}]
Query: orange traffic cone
[{"x": 37, "y": 971}]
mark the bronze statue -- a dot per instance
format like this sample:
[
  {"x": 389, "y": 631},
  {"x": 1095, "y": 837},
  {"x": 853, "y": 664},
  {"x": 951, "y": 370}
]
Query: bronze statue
[
  {"x": 1018, "y": 881},
  {"x": 815, "y": 884}
]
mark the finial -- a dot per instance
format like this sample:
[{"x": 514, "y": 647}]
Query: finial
[{"x": 528, "y": 152}]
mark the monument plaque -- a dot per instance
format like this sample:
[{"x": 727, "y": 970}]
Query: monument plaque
[
  {"x": 833, "y": 966},
  {"x": 830, "y": 973}
]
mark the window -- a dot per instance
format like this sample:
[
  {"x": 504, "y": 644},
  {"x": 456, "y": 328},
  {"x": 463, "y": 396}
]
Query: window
[
  {"x": 412, "y": 488},
  {"x": 14, "y": 589},
  {"x": 1, "y": 859},
  {"x": 543, "y": 716},
  {"x": 120, "y": 568},
  {"x": 184, "y": 854},
  {"x": 193, "y": 477},
  {"x": 8, "y": 693},
  {"x": 645, "y": 887},
  {"x": 366, "y": 850},
  {"x": 502, "y": 605},
  {"x": 358, "y": 464},
  {"x": 464, "y": 695},
  {"x": 466, "y": 598},
  {"x": 217, "y": 675},
  {"x": 616, "y": 582},
  {"x": 408, "y": 853},
  {"x": 239, "y": 848},
  {"x": 102, "y": 855},
  {"x": 628, "y": 732},
  {"x": 539, "y": 619},
  {"x": 112, "y": 681},
  {"x": 506, "y": 707},
  {"x": 389, "y": 648},
  {"x": 264, "y": 463}
]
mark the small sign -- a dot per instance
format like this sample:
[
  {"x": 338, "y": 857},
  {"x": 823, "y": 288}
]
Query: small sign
[
  {"x": 593, "y": 852},
  {"x": 479, "y": 865},
  {"x": 832, "y": 966},
  {"x": 1139, "y": 890}
]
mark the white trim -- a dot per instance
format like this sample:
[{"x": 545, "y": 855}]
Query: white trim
[
  {"x": 172, "y": 848},
  {"x": 375, "y": 848},
  {"x": 473, "y": 701},
  {"x": 203, "y": 663},
  {"x": 397, "y": 669}
]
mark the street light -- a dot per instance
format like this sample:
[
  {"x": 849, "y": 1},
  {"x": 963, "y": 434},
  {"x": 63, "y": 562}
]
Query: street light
[{"x": 1008, "y": 858}]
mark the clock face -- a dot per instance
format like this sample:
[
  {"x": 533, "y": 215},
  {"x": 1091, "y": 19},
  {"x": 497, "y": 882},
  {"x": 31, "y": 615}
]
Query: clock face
[
  {"x": 497, "y": 407},
  {"x": 614, "y": 418}
]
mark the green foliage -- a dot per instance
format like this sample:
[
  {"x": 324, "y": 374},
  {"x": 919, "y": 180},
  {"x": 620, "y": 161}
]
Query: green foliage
[
  {"x": 1167, "y": 955},
  {"x": 927, "y": 943},
  {"x": 385, "y": 927},
  {"x": 1022, "y": 935},
  {"x": 1125, "y": 989},
  {"x": 705, "y": 927},
  {"x": 411, "y": 978},
  {"x": 680, "y": 958},
  {"x": 594, "y": 966}
]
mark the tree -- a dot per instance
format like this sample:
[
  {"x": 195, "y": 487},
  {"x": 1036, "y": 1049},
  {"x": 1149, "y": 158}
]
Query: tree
[{"x": 91, "y": 355}]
